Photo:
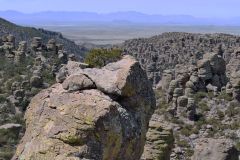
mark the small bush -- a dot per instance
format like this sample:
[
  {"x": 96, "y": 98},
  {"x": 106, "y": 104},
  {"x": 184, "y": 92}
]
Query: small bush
[
  {"x": 48, "y": 77},
  {"x": 162, "y": 105},
  {"x": 232, "y": 110},
  {"x": 238, "y": 146},
  {"x": 235, "y": 125},
  {"x": 220, "y": 114},
  {"x": 177, "y": 121},
  {"x": 187, "y": 130},
  {"x": 225, "y": 96},
  {"x": 200, "y": 95},
  {"x": 183, "y": 143},
  {"x": 201, "y": 121},
  {"x": 189, "y": 152},
  {"x": 3, "y": 99},
  {"x": 101, "y": 57},
  {"x": 203, "y": 106},
  {"x": 6, "y": 152}
]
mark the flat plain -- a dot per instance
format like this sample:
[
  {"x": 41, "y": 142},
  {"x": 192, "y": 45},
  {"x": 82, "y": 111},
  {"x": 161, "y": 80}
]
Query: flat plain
[{"x": 102, "y": 34}]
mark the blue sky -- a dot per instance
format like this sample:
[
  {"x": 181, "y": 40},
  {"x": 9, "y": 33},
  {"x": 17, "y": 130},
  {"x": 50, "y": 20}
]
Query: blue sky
[{"x": 197, "y": 8}]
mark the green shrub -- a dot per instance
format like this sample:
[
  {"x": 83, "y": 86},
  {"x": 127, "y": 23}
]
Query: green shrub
[
  {"x": 187, "y": 130},
  {"x": 8, "y": 137},
  {"x": 220, "y": 114},
  {"x": 201, "y": 121},
  {"x": 6, "y": 152},
  {"x": 101, "y": 57},
  {"x": 235, "y": 125},
  {"x": 199, "y": 96},
  {"x": 163, "y": 105},
  {"x": 189, "y": 152},
  {"x": 238, "y": 146},
  {"x": 17, "y": 118},
  {"x": 183, "y": 143},
  {"x": 177, "y": 121},
  {"x": 48, "y": 77},
  {"x": 225, "y": 96},
  {"x": 203, "y": 106},
  {"x": 3, "y": 99},
  {"x": 232, "y": 110},
  {"x": 217, "y": 126}
]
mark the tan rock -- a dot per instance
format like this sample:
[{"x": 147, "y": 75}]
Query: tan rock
[
  {"x": 104, "y": 123},
  {"x": 78, "y": 82},
  {"x": 215, "y": 149}
]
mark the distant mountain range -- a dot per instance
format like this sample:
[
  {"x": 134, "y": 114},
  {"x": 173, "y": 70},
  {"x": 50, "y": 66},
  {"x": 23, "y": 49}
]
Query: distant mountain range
[{"x": 76, "y": 18}]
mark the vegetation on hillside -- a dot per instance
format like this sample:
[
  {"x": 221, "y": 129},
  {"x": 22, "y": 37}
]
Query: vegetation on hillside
[
  {"x": 27, "y": 33},
  {"x": 19, "y": 73}
]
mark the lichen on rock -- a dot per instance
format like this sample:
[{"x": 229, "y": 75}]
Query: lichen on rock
[{"x": 105, "y": 117}]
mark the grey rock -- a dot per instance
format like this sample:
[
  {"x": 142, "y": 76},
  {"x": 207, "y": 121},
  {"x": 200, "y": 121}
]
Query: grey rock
[
  {"x": 92, "y": 123},
  {"x": 204, "y": 70},
  {"x": 78, "y": 82},
  {"x": 62, "y": 74},
  {"x": 36, "y": 81},
  {"x": 215, "y": 149}
]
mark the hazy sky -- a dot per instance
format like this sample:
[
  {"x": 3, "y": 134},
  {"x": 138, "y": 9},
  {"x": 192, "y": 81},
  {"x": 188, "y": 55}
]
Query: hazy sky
[{"x": 198, "y": 8}]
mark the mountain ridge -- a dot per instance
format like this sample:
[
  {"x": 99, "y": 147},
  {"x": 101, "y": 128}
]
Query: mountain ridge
[{"x": 75, "y": 17}]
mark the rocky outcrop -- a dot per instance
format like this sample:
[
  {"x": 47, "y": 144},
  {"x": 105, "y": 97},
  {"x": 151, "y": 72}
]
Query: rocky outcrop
[
  {"x": 215, "y": 149},
  {"x": 198, "y": 75},
  {"x": 181, "y": 83},
  {"x": 24, "y": 71},
  {"x": 159, "y": 141},
  {"x": 233, "y": 71},
  {"x": 92, "y": 114},
  {"x": 165, "y": 51},
  {"x": 21, "y": 33}
]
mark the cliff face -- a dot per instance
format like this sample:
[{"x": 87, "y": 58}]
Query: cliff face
[{"x": 91, "y": 114}]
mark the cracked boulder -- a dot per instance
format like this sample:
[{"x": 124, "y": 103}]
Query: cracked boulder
[{"x": 105, "y": 117}]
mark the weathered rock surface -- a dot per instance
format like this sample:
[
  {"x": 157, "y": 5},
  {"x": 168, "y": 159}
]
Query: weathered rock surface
[
  {"x": 215, "y": 149},
  {"x": 208, "y": 75},
  {"x": 78, "y": 82},
  {"x": 108, "y": 121},
  {"x": 165, "y": 51},
  {"x": 199, "y": 77},
  {"x": 159, "y": 140}
]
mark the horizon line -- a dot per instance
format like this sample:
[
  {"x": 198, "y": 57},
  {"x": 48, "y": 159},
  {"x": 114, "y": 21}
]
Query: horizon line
[{"x": 105, "y": 13}]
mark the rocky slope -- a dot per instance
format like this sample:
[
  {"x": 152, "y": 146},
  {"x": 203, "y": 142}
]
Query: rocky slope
[
  {"x": 104, "y": 113},
  {"x": 167, "y": 50},
  {"x": 27, "y": 33},
  {"x": 197, "y": 81},
  {"x": 24, "y": 71},
  {"x": 90, "y": 114}
]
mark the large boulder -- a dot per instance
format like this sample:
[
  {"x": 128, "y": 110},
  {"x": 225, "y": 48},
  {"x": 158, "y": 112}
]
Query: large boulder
[
  {"x": 167, "y": 77},
  {"x": 36, "y": 43},
  {"x": 36, "y": 81},
  {"x": 107, "y": 120},
  {"x": 217, "y": 63},
  {"x": 78, "y": 82},
  {"x": 204, "y": 69},
  {"x": 215, "y": 149},
  {"x": 22, "y": 47},
  {"x": 51, "y": 45}
]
